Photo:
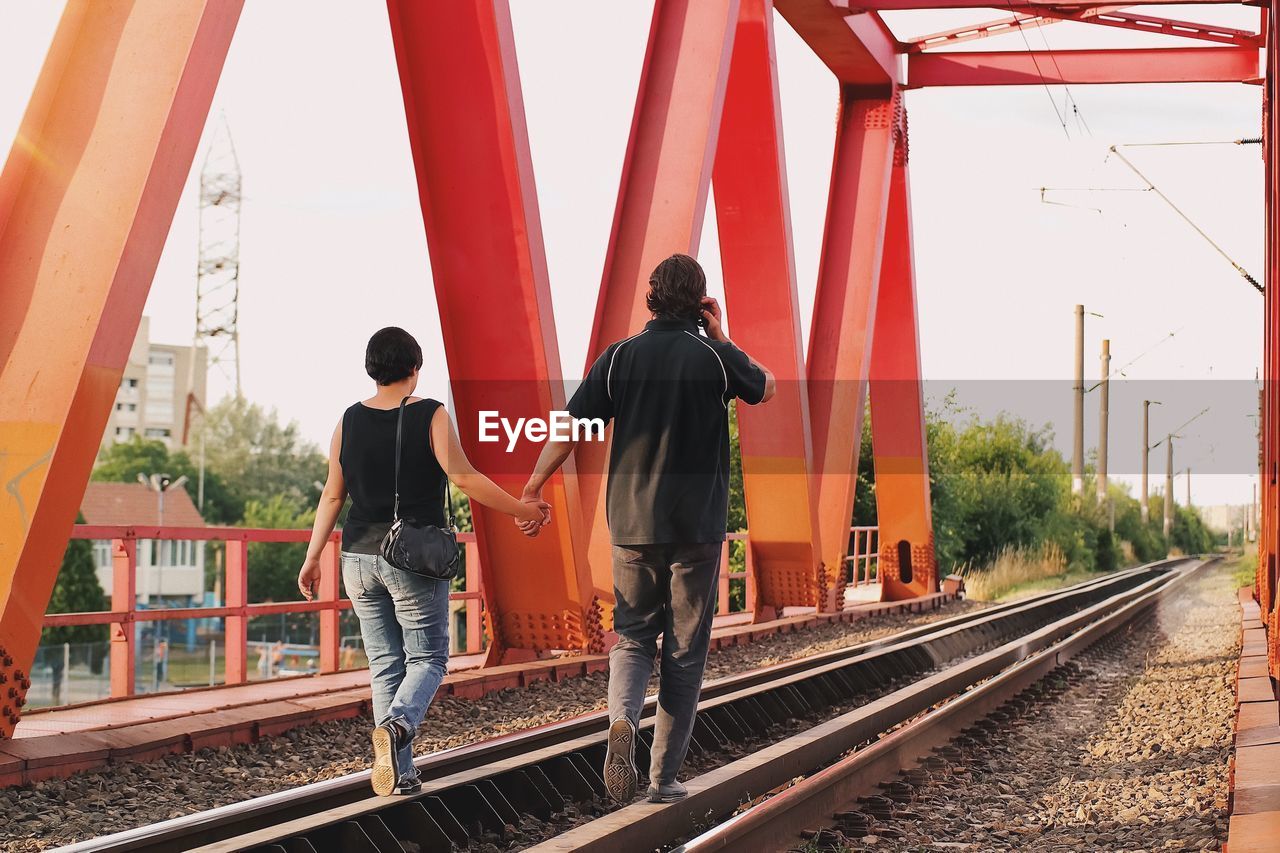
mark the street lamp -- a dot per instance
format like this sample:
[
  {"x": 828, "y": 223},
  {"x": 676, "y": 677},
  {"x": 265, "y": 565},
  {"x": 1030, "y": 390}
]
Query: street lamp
[{"x": 160, "y": 483}]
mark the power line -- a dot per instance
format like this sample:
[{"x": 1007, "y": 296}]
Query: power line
[
  {"x": 1043, "y": 82},
  {"x": 1243, "y": 272}
]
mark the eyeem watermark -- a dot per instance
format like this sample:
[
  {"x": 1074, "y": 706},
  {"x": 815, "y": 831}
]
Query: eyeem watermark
[{"x": 560, "y": 426}]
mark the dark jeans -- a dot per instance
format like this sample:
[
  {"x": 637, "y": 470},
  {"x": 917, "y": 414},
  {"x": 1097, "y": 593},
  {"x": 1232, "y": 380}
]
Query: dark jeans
[{"x": 667, "y": 591}]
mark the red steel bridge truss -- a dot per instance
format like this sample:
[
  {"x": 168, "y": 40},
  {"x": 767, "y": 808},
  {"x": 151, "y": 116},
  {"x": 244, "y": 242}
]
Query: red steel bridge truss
[{"x": 90, "y": 187}]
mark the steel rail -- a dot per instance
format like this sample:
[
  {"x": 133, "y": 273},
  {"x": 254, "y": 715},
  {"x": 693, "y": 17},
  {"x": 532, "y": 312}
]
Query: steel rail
[
  {"x": 779, "y": 820},
  {"x": 716, "y": 793},
  {"x": 347, "y": 799}
]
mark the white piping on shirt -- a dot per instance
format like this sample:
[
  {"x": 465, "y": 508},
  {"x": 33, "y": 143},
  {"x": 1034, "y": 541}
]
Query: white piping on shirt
[
  {"x": 608, "y": 379},
  {"x": 720, "y": 361}
]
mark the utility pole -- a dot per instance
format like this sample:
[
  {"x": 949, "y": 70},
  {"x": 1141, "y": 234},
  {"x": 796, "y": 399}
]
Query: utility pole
[
  {"x": 1251, "y": 523},
  {"x": 1104, "y": 391},
  {"x": 1077, "y": 452},
  {"x": 1188, "y": 488},
  {"x": 1146, "y": 454},
  {"x": 1168, "y": 485}
]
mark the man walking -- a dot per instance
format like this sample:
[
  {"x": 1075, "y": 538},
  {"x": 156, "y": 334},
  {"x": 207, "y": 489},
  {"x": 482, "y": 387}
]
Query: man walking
[{"x": 667, "y": 391}]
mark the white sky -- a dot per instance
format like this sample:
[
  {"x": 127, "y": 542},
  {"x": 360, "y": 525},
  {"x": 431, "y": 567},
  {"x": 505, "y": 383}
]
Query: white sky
[{"x": 333, "y": 245}]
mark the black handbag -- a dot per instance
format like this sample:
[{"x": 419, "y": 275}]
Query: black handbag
[{"x": 422, "y": 549}]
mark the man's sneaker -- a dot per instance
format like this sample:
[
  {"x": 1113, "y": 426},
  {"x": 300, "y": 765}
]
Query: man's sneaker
[
  {"x": 668, "y": 792},
  {"x": 409, "y": 786},
  {"x": 620, "y": 761},
  {"x": 387, "y": 740}
]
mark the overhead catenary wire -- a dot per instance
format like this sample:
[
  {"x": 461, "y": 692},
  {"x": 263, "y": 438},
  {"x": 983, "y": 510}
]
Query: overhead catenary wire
[
  {"x": 1173, "y": 433},
  {"x": 1039, "y": 73},
  {"x": 1115, "y": 149},
  {"x": 1120, "y": 371},
  {"x": 1068, "y": 99},
  {"x": 1248, "y": 140}
]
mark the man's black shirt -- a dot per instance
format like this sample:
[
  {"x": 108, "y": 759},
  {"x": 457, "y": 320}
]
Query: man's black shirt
[{"x": 667, "y": 391}]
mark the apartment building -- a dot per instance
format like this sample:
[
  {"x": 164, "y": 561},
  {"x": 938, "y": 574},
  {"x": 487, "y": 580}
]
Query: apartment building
[{"x": 152, "y": 399}]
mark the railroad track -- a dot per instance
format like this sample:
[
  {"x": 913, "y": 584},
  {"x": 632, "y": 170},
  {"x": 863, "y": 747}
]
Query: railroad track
[{"x": 843, "y": 721}]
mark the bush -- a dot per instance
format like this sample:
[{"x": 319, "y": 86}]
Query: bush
[{"x": 1012, "y": 568}]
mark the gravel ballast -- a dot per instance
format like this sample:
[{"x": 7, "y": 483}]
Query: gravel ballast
[
  {"x": 63, "y": 811},
  {"x": 1127, "y": 749}
]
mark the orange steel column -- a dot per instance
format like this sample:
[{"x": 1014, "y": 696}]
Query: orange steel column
[
  {"x": 844, "y": 311},
  {"x": 908, "y": 567},
  {"x": 1267, "y": 576},
  {"x": 466, "y": 123},
  {"x": 86, "y": 199},
  {"x": 661, "y": 201},
  {"x": 754, "y": 221},
  {"x": 124, "y": 598}
]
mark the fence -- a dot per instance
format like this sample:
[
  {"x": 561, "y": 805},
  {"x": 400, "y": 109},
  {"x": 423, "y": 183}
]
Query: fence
[
  {"x": 864, "y": 558},
  {"x": 228, "y": 663}
]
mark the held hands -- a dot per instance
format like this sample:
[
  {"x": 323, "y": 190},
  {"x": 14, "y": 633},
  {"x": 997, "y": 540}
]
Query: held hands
[
  {"x": 535, "y": 514},
  {"x": 308, "y": 577},
  {"x": 538, "y": 513},
  {"x": 711, "y": 317}
]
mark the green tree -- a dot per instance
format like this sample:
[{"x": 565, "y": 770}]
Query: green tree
[
  {"x": 77, "y": 591},
  {"x": 273, "y": 566},
  {"x": 1146, "y": 540},
  {"x": 1189, "y": 533},
  {"x": 1008, "y": 483},
  {"x": 258, "y": 457},
  {"x": 124, "y": 461},
  {"x": 737, "y": 499}
]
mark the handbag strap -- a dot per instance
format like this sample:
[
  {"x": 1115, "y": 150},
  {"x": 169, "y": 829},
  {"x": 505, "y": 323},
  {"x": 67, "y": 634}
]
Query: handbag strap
[{"x": 448, "y": 496}]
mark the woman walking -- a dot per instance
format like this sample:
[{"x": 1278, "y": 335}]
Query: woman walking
[{"x": 404, "y": 616}]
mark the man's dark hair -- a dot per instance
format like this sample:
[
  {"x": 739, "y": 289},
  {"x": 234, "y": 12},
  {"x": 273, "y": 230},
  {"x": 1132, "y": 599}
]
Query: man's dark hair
[
  {"x": 392, "y": 355},
  {"x": 676, "y": 289}
]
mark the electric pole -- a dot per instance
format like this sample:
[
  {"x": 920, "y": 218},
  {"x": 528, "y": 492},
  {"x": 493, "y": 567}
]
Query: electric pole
[
  {"x": 1168, "y": 485},
  {"x": 1251, "y": 523},
  {"x": 1104, "y": 391},
  {"x": 1077, "y": 452},
  {"x": 1146, "y": 457}
]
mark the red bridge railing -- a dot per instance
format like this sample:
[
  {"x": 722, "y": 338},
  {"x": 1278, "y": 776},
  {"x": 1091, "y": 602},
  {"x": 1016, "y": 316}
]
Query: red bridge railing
[
  {"x": 329, "y": 605},
  {"x": 864, "y": 555}
]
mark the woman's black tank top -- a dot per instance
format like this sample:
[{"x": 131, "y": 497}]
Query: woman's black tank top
[{"x": 368, "y": 458}]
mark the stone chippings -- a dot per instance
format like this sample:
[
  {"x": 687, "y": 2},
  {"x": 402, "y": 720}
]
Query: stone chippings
[
  {"x": 1126, "y": 748},
  {"x": 128, "y": 795}
]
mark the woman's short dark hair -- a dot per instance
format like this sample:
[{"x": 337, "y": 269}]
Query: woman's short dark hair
[
  {"x": 676, "y": 289},
  {"x": 392, "y": 355}
]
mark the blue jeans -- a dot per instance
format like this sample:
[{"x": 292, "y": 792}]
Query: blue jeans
[{"x": 404, "y": 619}]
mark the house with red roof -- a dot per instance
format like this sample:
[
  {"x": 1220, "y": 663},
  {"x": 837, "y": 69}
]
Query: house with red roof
[{"x": 168, "y": 570}]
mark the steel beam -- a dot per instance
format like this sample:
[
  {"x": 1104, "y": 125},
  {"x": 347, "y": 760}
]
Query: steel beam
[
  {"x": 840, "y": 336},
  {"x": 985, "y": 29},
  {"x": 858, "y": 48},
  {"x": 1078, "y": 67},
  {"x": 1113, "y": 17},
  {"x": 662, "y": 201},
  {"x": 853, "y": 7},
  {"x": 86, "y": 199},
  {"x": 1266, "y": 577},
  {"x": 1107, "y": 16},
  {"x": 479, "y": 207},
  {"x": 908, "y": 566},
  {"x": 754, "y": 220}
]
